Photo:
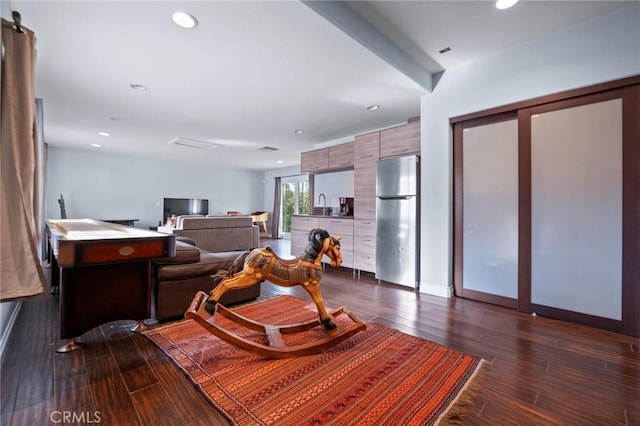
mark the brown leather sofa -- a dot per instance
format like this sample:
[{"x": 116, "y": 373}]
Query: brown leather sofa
[{"x": 176, "y": 280}]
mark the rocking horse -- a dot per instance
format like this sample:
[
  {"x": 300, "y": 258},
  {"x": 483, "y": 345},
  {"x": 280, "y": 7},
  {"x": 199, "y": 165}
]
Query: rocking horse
[{"x": 263, "y": 264}]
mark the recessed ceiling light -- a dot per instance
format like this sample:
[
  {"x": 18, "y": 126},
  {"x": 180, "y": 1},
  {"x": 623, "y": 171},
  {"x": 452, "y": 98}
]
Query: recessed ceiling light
[
  {"x": 505, "y": 4},
  {"x": 103, "y": 133},
  {"x": 373, "y": 107},
  {"x": 279, "y": 161},
  {"x": 95, "y": 145},
  {"x": 138, "y": 87},
  {"x": 184, "y": 20},
  {"x": 445, "y": 50},
  {"x": 298, "y": 132}
]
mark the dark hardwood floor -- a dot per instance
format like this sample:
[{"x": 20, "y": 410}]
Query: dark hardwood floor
[{"x": 543, "y": 371}]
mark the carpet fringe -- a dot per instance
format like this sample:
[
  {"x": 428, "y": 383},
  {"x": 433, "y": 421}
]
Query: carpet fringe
[{"x": 459, "y": 408}]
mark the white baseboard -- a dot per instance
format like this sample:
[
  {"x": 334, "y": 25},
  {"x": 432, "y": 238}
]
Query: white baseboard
[
  {"x": 436, "y": 290},
  {"x": 7, "y": 327}
]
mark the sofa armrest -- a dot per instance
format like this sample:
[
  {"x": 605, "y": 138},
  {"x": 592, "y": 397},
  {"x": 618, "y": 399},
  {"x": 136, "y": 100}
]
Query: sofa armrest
[{"x": 185, "y": 253}]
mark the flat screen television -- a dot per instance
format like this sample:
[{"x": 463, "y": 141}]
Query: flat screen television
[{"x": 181, "y": 206}]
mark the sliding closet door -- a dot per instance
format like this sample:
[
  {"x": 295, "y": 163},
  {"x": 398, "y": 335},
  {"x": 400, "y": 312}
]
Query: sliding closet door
[
  {"x": 490, "y": 219},
  {"x": 576, "y": 209},
  {"x": 547, "y": 205}
]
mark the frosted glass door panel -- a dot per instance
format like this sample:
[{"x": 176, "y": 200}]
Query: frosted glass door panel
[
  {"x": 490, "y": 202},
  {"x": 576, "y": 196}
]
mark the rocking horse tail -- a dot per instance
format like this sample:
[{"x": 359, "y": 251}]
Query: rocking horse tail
[{"x": 218, "y": 281}]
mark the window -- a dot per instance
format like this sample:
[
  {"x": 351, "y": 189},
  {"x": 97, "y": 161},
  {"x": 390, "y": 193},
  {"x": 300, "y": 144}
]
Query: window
[{"x": 295, "y": 200}]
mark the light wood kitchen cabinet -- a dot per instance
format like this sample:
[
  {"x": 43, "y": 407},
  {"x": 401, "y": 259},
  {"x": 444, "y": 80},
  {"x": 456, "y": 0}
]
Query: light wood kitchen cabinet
[
  {"x": 364, "y": 245},
  {"x": 343, "y": 228},
  {"x": 341, "y": 156},
  {"x": 314, "y": 161},
  {"x": 366, "y": 148},
  {"x": 335, "y": 226},
  {"x": 330, "y": 159},
  {"x": 401, "y": 140},
  {"x": 358, "y": 244},
  {"x": 300, "y": 227},
  {"x": 366, "y": 155}
]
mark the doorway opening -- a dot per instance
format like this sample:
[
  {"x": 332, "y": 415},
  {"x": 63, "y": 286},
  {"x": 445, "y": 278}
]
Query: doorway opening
[{"x": 295, "y": 193}]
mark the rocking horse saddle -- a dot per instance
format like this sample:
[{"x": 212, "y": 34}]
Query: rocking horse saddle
[{"x": 286, "y": 262}]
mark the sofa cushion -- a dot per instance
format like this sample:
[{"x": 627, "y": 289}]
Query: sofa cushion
[
  {"x": 209, "y": 264},
  {"x": 185, "y": 253}
]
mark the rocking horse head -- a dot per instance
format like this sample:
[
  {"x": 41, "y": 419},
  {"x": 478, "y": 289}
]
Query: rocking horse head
[{"x": 323, "y": 243}]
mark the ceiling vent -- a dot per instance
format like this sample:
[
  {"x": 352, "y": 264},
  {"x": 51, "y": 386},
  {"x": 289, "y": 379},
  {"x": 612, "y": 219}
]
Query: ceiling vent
[
  {"x": 268, "y": 149},
  {"x": 194, "y": 143}
]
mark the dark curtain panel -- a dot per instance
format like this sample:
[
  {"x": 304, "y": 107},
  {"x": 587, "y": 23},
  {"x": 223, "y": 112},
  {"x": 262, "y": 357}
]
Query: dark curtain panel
[
  {"x": 277, "y": 203},
  {"x": 311, "y": 193}
]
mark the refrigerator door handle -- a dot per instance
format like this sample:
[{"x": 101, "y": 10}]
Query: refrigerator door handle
[{"x": 395, "y": 197}]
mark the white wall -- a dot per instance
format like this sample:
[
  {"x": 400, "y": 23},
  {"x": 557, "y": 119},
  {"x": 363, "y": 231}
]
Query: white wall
[
  {"x": 603, "y": 49},
  {"x": 106, "y": 186},
  {"x": 333, "y": 186}
]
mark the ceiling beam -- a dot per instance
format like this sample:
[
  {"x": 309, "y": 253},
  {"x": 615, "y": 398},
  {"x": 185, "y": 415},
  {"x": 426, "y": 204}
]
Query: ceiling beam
[{"x": 345, "y": 18}]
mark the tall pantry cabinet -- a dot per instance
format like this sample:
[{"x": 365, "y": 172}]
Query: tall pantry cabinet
[{"x": 366, "y": 155}]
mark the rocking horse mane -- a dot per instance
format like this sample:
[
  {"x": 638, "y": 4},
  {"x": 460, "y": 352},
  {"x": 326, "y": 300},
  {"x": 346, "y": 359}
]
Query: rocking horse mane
[{"x": 316, "y": 242}]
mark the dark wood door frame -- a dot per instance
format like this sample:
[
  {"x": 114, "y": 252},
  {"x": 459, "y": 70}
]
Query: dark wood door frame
[{"x": 628, "y": 90}]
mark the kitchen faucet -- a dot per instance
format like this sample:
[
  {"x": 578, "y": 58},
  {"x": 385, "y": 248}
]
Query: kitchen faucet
[{"x": 324, "y": 204}]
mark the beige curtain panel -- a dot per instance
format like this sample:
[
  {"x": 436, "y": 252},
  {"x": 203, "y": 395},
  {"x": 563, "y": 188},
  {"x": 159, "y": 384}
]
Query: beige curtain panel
[{"x": 21, "y": 271}]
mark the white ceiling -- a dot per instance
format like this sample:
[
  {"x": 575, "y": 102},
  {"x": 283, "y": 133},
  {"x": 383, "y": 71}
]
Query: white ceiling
[{"x": 251, "y": 73}]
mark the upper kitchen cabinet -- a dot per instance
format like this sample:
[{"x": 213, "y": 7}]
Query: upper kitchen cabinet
[
  {"x": 401, "y": 140},
  {"x": 314, "y": 161},
  {"x": 367, "y": 148},
  {"x": 341, "y": 156},
  {"x": 331, "y": 159}
]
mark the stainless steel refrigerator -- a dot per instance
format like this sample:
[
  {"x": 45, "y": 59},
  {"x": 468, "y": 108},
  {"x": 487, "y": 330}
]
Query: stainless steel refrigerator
[{"x": 397, "y": 213}]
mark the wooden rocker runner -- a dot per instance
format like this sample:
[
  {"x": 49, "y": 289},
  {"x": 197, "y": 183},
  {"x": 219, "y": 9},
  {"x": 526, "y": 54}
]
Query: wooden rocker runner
[{"x": 264, "y": 264}]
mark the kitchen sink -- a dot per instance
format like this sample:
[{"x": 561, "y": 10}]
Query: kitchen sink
[{"x": 322, "y": 211}]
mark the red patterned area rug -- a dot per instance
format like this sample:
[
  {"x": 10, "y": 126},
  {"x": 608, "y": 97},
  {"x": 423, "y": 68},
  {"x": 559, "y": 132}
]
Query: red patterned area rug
[{"x": 379, "y": 376}]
